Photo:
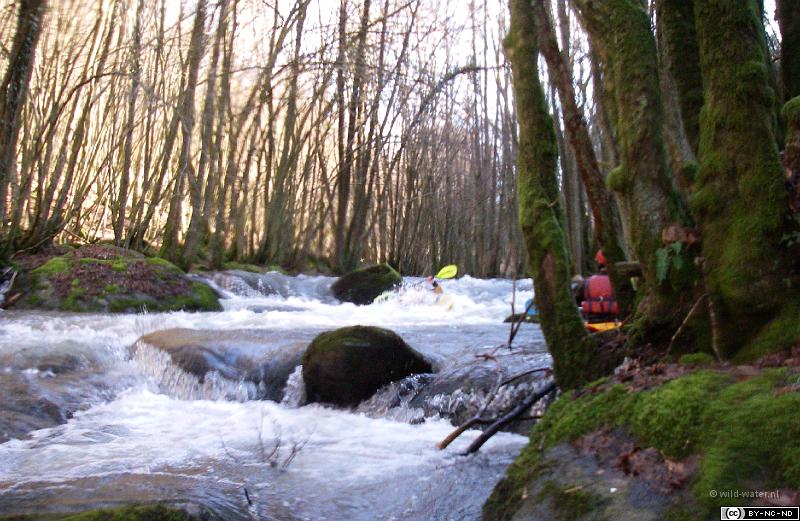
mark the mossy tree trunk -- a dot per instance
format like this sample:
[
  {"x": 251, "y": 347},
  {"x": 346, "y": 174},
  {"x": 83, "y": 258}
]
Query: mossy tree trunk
[
  {"x": 607, "y": 226},
  {"x": 739, "y": 196},
  {"x": 789, "y": 22},
  {"x": 539, "y": 207},
  {"x": 678, "y": 41},
  {"x": 621, "y": 34}
]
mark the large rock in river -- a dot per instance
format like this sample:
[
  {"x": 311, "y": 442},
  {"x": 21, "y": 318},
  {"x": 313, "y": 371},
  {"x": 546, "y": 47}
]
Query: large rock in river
[
  {"x": 346, "y": 366},
  {"x": 102, "y": 278},
  {"x": 361, "y": 286},
  {"x": 216, "y": 362}
]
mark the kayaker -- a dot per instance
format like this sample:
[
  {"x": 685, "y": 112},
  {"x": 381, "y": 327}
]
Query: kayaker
[
  {"x": 599, "y": 303},
  {"x": 436, "y": 288}
]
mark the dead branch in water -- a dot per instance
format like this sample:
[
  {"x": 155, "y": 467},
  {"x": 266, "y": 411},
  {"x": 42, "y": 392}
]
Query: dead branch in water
[{"x": 508, "y": 418}]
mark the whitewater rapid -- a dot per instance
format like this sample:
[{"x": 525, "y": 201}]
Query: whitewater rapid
[{"x": 127, "y": 438}]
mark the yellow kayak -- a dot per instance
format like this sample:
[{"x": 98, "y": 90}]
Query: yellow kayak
[{"x": 602, "y": 326}]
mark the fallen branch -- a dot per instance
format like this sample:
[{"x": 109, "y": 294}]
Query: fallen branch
[
  {"x": 685, "y": 321},
  {"x": 508, "y": 418}
]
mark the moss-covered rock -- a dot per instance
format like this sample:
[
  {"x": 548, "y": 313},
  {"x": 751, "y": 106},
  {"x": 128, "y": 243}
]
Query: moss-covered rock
[
  {"x": 363, "y": 285},
  {"x": 109, "y": 279},
  {"x": 128, "y": 513},
  {"x": 733, "y": 429},
  {"x": 346, "y": 366}
]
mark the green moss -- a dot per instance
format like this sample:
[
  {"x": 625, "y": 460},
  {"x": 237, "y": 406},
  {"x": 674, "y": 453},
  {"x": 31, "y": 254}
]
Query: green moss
[
  {"x": 112, "y": 288},
  {"x": 752, "y": 437},
  {"x": 570, "y": 418},
  {"x": 739, "y": 190},
  {"x": 54, "y": 266},
  {"x": 791, "y": 112},
  {"x": 201, "y": 298},
  {"x": 540, "y": 214},
  {"x": 75, "y": 283},
  {"x": 119, "y": 266},
  {"x": 363, "y": 285},
  {"x": 129, "y": 513},
  {"x": 617, "y": 180},
  {"x": 678, "y": 35},
  {"x": 745, "y": 432},
  {"x": 570, "y": 503},
  {"x": 671, "y": 417},
  {"x": 74, "y": 301},
  {"x": 164, "y": 263},
  {"x": 689, "y": 171},
  {"x": 782, "y": 332},
  {"x": 696, "y": 359}
]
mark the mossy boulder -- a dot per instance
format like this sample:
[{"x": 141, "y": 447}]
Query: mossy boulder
[
  {"x": 666, "y": 446},
  {"x": 102, "y": 278},
  {"x": 345, "y": 366},
  {"x": 127, "y": 513},
  {"x": 363, "y": 285}
]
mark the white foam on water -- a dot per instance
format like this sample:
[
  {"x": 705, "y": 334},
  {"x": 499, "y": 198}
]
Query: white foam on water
[{"x": 145, "y": 432}]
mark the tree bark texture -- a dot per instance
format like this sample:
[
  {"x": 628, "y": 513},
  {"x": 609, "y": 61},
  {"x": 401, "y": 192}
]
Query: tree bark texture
[
  {"x": 739, "y": 198},
  {"x": 789, "y": 22},
  {"x": 621, "y": 33},
  {"x": 14, "y": 89},
  {"x": 540, "y": 210}
]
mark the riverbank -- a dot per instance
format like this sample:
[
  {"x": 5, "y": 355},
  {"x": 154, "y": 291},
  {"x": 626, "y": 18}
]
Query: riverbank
[{"x": 663, "y": 442}]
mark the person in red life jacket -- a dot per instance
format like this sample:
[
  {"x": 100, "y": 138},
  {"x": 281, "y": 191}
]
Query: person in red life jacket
[{"x": 599, "y": 303}]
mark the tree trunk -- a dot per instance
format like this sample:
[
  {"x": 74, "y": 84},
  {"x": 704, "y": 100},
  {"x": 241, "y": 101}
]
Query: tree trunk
[
  {"x": 678, "y": 48},
  {"x": 539, "y": 208},
  {"x": 739, "y": 196},
  {"x": 789, "y": 22},
  {"x": 621, "y": 33},
  {"x": 14, "y": 90},
  {"x": 604, "y": 209},
  {"x": 169, "y": 247},
  {"x": 198, "y": 223},
  {"x": 125, "y": 175}
]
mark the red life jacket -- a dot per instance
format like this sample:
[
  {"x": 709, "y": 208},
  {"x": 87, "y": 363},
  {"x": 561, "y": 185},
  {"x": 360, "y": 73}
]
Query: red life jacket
[{"x": 598, "y": 296}]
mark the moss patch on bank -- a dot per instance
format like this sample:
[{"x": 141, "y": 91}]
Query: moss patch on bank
[
  {"x": 109, "y": 279},
  {"x": 129, "y": 513},
  {"x": 741, "y": 424}
]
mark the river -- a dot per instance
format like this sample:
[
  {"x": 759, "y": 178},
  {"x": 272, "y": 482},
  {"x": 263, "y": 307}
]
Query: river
[{"x": 130, "y": 436}]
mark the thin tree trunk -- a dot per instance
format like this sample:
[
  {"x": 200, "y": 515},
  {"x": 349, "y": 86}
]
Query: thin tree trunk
[{"x": 13, "y": 92}]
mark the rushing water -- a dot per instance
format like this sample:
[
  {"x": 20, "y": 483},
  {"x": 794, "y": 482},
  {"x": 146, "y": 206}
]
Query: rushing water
[{"x": 117, "y": 433}]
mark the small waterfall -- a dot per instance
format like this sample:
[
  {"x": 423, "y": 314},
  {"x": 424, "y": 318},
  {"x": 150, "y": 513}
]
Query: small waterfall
[
  {"x": 393, "y": 401},
  {"x": 177, "y": 383},
  {"x": 294, "y": 393},
  {"x": 407, "y": 401}
]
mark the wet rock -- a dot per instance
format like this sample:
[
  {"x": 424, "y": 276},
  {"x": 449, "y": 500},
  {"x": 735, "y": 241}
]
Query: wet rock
[
  {"x": 23, "y": 410},
  {"x": 569, "y": 484},
  {"x": 348, "y": 365},
  {"x": 109, "y": 279},
  {"x": 363, "y": 285},
  {"x": 252, "y": 356}
]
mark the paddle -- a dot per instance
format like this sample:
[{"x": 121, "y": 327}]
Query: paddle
[{"x": 448, "y": 272}]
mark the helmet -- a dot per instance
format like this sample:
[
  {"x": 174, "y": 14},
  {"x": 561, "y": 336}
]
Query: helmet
[{"x": 600, "y": 258}]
